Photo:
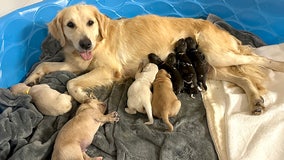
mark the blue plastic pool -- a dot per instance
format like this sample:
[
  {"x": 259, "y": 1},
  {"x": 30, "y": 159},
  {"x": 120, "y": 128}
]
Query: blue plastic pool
[{"x": 23, "y": 31}]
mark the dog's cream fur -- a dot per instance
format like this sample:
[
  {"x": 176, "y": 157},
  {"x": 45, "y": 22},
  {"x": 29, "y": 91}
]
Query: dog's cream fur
[
  {"x": 118, "y": 46},
  {"x": 139, "y": 93},
  {"x": 47, "y": 100},
  {"x": 164, "y": 101},
  {"x": 78, "y": 133}
]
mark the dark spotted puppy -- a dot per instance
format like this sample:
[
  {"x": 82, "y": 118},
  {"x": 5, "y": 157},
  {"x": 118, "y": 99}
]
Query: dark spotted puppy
[
  {"x": 200, "y": 64},
  {"x": 169, "y": 66},
  {"x": 186, "y": 68}
]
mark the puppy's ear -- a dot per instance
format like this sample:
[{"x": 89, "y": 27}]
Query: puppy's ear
[
  {"x": 102, "y": 21},
  {"x": 82, "y": 107},
  {"x": 169, "y": 76},
  {"x": 56, "y": 30}
]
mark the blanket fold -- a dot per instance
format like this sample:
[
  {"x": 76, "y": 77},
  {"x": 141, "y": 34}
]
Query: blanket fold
[{"x": 17, "y": 121}]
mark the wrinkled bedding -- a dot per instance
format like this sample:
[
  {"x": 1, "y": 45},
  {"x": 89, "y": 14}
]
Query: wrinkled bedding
[
  {"x": 27, "y": 134},
  {"x": 236, "y": 133}
]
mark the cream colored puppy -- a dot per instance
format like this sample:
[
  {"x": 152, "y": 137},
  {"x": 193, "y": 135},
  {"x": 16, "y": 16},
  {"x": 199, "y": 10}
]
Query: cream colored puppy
[
  {"x": 139, "y": 93},
  {"x": 164, "y": 101},
  {"x": 47, "y": 100},
  {"x": 77, "y": 134}
]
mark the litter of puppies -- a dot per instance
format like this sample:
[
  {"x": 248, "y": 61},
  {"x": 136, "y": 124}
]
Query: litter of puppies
[{"x": 182, "y": 71}]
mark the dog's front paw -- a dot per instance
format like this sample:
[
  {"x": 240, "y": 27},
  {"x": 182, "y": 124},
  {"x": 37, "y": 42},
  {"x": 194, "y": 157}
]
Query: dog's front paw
[
  {"x": 114, "y": 116},
  {"x": 258, "y": 107}
]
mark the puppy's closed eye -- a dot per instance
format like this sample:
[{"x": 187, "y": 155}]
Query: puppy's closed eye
[{"x": 71, "y": 24}]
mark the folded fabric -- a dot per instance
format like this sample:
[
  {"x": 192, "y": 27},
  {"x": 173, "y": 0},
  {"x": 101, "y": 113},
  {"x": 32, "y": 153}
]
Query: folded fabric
[{"x": 236, "y": 133}]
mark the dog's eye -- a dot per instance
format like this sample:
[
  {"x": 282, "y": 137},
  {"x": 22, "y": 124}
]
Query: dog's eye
[
  {"x": 71, "y": 25},
  {"x": 90, "y": 23}
]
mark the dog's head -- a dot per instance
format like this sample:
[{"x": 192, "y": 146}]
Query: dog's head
[
  {"x": 150, "y": 67},
  {"x": 153, "y": 58},
  {"x": 191, "y": 44},
  {"x": 171, "y": 59},
  {"x": 147, "y": 72},
  {"x": 163, "y": 74},
  {"x": 200, "y": 56},
  {"x": 79, "y": 26},
  {"x": 180, "y": 46}
]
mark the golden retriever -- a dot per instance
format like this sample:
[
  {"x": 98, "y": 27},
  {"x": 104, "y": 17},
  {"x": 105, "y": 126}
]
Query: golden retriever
[
  {"x": 165, "y": 103},
  {"x": 77, "y": 134},
  {"x": 109, "y": 50}
]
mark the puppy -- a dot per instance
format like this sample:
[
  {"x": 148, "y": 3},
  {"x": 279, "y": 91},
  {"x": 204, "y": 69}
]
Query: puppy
[
  {"x": 139, "y": 93},
  {"x": 200, "y": 64},
  {"x": 78, "y": 133},
  {"x": 164, "y": 101},
  {"x": 186, "y": 68},
  {"x": 169, "y": 66},
  {"x": 47, "y": 100}
]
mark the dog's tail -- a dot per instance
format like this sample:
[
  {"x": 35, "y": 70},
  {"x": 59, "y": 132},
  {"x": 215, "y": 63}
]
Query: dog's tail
[{"x": 165, "y": 118}]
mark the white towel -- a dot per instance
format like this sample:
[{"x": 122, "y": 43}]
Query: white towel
[{"x": 236, "y": 133}]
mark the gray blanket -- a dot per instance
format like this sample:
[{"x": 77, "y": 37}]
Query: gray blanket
[{"x": 26, "y": 134}]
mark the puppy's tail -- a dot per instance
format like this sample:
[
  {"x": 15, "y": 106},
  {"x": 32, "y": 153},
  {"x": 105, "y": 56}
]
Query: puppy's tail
[{"x": 165, "y": 118}]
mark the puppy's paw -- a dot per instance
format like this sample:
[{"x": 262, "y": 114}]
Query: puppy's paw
[
  {"x": 149, "y": 122},
  {"x": 97, "y": 158},
  {"x": 114, "y": 116},
  {"x": 130, "y": 111}
]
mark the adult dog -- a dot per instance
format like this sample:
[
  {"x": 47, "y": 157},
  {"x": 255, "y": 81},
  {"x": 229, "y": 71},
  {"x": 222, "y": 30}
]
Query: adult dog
[{"x": 109, "y": 50}]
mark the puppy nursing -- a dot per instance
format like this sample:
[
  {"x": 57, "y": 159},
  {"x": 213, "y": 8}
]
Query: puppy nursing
[
  {"x": 164, "y": 101},
  {"x": 139, "y": 93},
  {"x": 169, "y": 66},
  {"x": 200, "y": 64},
  {"x": 186, "y": 68},
  {"x": 78, "y": 133}
]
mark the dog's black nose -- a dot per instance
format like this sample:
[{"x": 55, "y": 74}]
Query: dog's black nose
[{"x": 85, "y": 43}]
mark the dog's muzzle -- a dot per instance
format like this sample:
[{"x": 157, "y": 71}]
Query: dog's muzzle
[
  {"x": 85, "y": 43},
  {"x": 86, "y": 46}
]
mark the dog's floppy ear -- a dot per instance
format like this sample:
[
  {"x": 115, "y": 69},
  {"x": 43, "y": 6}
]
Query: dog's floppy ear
[
  {"x": 56, "y": 30},
  {"x": 103, "y": 21}
]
